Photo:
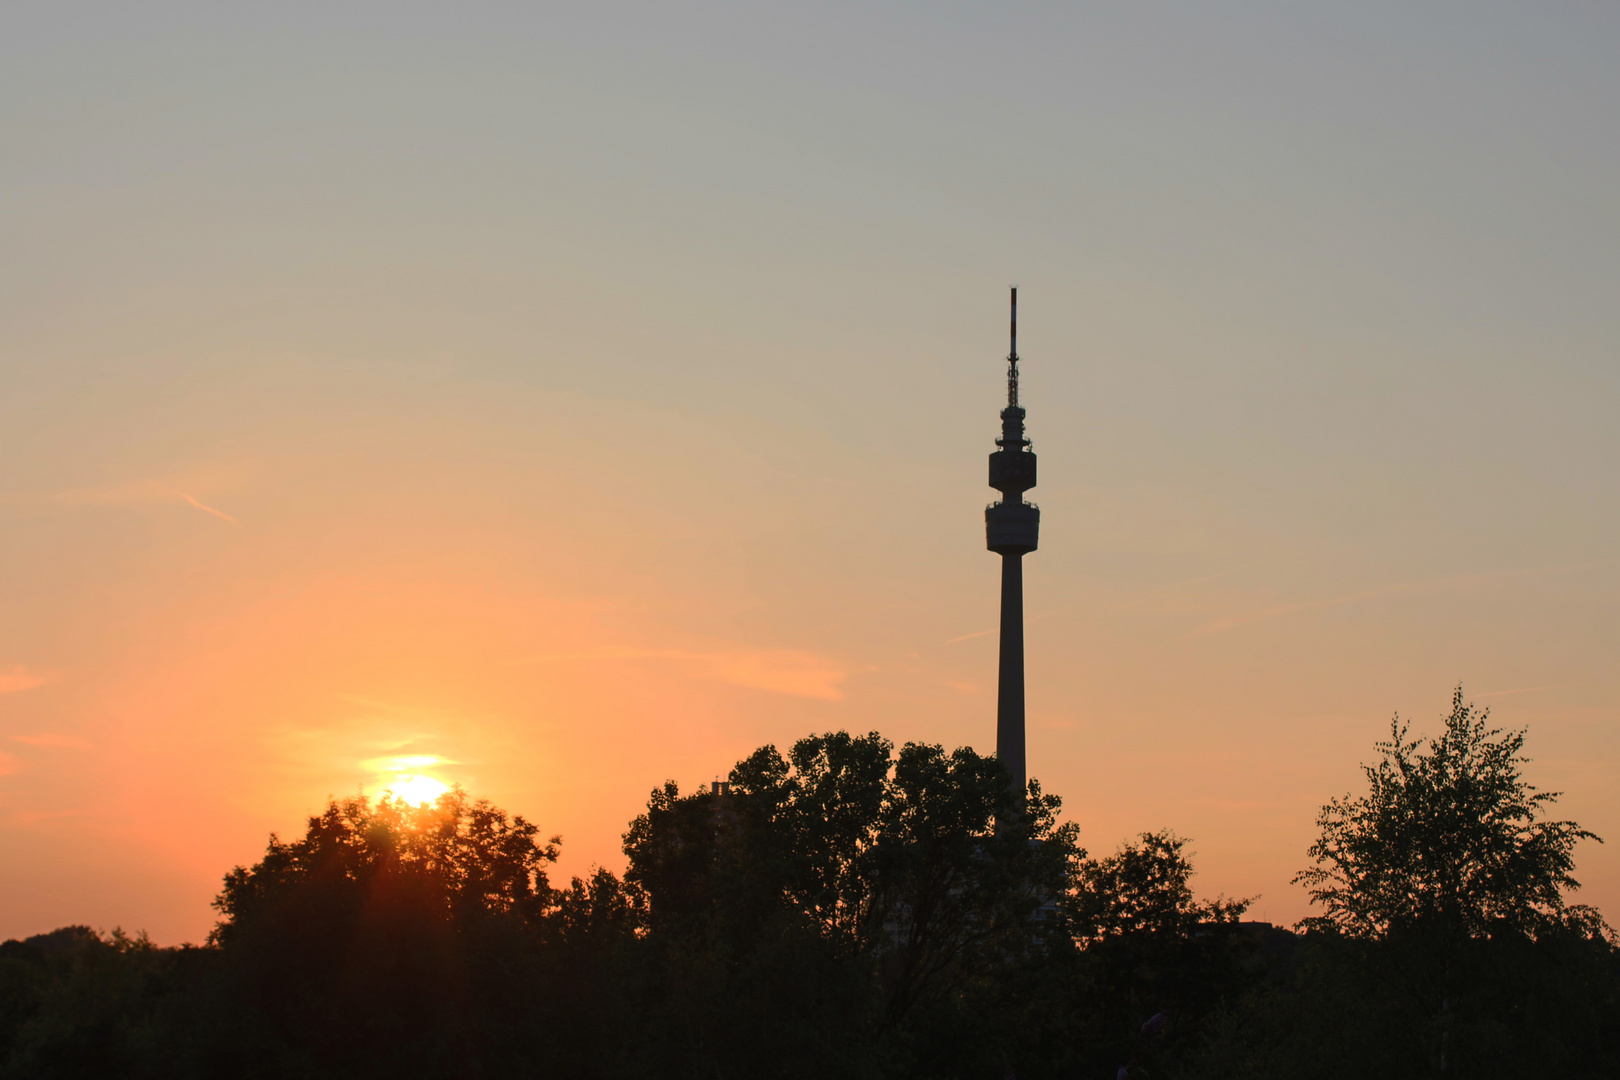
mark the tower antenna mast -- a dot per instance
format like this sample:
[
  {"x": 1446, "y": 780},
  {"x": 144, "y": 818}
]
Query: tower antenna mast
[{"x": 1012, "y": 355}]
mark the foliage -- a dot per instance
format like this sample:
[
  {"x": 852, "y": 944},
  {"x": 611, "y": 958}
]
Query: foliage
[
  {"x": 77, "y": 1003},
  {"x": 1444, "y": 928},
  {"x": 882, "y": 879},
  {"x": 1450, "y": 838},
  {"x": 460, "y": 857},
  {"x": 373, "y": 942},
  {"x": 1150, "y": 952},
  {"x": 1144, "y": 889},
  {"x": 847, "y": 909},
  {"x": 1342, "y": 1008}
]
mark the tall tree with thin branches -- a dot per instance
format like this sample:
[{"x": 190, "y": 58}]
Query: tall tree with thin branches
[
  {"x": 1450, "y": 839},
  {"x": 1449, "y": 849}
]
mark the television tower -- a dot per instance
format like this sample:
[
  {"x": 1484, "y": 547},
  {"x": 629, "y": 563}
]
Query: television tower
[{"x": 1011, "y": 528}]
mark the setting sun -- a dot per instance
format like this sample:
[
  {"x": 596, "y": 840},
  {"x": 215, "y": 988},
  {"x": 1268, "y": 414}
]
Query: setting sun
[
  {"x": 400, "y": 776},
  {"x": 416, "y": 789}
]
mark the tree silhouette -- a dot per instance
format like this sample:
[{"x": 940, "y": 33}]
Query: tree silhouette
[
  {"x": 1144, "y": 888},
  {"x": 1444, "y": 922},
  {"x": 843, "y": 895},
  {"x": 369, "y": 945},
  {"x": 466, "y": 858},
  {"x": 1150, "y": 952},
  {"x": 847, "y": 909},
  {"x": 1450, "y": 839}
]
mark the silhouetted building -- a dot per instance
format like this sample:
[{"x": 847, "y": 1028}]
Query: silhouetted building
[{"x": 1011, "y": 528}]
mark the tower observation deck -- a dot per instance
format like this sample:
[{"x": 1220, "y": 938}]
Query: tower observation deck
[{"x": 1012, "y": 528}]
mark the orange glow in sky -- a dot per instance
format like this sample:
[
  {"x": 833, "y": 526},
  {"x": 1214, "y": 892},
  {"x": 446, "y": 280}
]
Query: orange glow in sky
[{"x": 555, "y": 403}]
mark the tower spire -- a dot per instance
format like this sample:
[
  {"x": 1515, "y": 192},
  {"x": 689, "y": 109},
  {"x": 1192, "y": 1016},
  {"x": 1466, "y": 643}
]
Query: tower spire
[
  {"x": 1012, "y": 355},
  {"x": 1012, "y": 529}
]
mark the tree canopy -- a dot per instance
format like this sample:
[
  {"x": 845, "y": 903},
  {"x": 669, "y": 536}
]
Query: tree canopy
[
  {"x": 847, "y": 908},
  {"x": 460, "y": 856},
  {"x": 883, "y": 875},
  {"x": 1449, "y": 838},
  {"x": 1145, "y": 888}
]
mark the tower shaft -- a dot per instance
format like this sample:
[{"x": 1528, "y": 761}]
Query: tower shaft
[{"x": 1010, "y": 682}]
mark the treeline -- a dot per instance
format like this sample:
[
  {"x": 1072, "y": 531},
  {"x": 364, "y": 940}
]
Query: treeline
[{"x": 846, "y": 910}]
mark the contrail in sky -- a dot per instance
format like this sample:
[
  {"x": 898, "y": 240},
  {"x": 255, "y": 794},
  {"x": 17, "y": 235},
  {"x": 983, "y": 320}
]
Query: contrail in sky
[
  {"x": 204, "y": 507},
  {"x": 964, "y": 637}
]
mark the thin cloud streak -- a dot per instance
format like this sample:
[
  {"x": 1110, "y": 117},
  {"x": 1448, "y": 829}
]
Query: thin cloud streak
[
  {"x": 1520, "y": 690},
  {"x": 1185, "y": 584},
  {"x": 781, "y": 671},
  {"x": 966, "y": 637},
  {"x": 1411, "y": 588},
  {"x": 134, "y": 494},
  {"x": 200, "y": 505},
  {"x": 407, "y": 763},
  {"x": 55, "y": 739},
  {"x": 1200, "y": 580},
  {"x": 20, "y": 678}
]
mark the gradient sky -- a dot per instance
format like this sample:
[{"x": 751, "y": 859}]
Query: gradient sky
[{"x": 563, "y": 398}]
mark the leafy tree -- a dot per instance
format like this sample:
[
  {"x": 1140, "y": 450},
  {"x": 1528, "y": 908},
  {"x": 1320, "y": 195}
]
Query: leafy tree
[
  {"x": 1442, "y": 889},
  {"x": 848, "y": 909},
  {"x": 1144, "y": 888},
  {"x": 960, "y": 885},
  {"x": 464, "y": 858},
  {"x": 873, "y": 852},
  {"x": 1154, "y": 960},
  {"x": 387, "y": 940},
  {"x": 1449, "y": 838},
  {"x": 879, "y": 880},
  {"x": 77, "y": 1003}
]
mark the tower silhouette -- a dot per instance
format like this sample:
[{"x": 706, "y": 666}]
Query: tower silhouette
[{"x": 1012, "y": 527}]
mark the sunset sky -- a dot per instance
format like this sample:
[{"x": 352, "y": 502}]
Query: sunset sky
[{"x": 560, "y": 399}]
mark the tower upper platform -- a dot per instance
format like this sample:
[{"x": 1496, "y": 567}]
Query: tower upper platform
[{"x": 1012, "y": 526}]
